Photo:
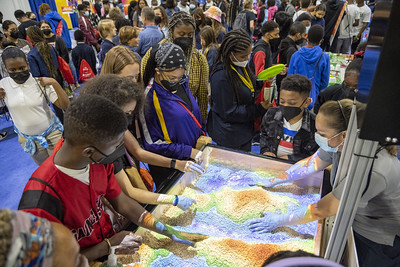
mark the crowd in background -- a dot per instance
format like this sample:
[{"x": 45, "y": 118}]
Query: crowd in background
[{"x": 180, "y": 73}]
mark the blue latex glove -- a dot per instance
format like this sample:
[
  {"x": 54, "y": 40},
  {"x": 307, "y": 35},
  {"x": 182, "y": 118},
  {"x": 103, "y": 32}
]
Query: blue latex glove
[
  {"x": 193, "y": 167},
  {"x": 184, "y": 203},
  {"x": 182, "y": 241},
  {"x": 270, "y": 221}
]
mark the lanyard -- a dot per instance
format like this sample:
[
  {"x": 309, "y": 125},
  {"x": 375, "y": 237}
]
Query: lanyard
[
  {"x": 193, "y": 117},
  {"x": 246, "y": 80}
]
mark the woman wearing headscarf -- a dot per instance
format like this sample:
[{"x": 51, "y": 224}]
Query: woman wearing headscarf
[
  {"x": 171, "y": 123},
  {"x": 27, "y": 240},
  {"x": 181, "y": 28}
]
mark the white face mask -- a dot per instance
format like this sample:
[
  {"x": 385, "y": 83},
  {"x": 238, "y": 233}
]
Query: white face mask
[
  {"x": 322, "y": 142},
  {"x": 308, "y": 28},
  {"x": 238, "y": 63},
  {"x": 86, "y": 14}
]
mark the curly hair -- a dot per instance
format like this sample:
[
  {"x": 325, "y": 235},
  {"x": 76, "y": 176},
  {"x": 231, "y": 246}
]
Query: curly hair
[
  {"x": 6, "y": 232},
  {"x": 37, "y": 38},
  {"x": 233, "y": 42},
  {"x": 177, "y": 19},
  {"x": 93, "y": 120},
  {"x": 119, "y": 90}
]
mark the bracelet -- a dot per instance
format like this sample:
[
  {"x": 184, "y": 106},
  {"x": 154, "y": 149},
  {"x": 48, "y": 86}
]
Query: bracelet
[
  {"x": 109, "y": 244},
  {"x": 176, "y": 200},
  {"x": 173, "y": 162}
]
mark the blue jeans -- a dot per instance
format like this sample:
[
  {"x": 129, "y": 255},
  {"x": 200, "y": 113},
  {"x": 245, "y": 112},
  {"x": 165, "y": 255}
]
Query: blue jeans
[{"x": 371, "y": 254}]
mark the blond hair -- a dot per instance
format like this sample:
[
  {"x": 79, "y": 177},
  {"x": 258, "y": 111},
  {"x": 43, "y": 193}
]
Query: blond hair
[
  {"x": 117, "y": 59},
  {"x": 105, "y": 26},
  {"x": 115, "y": 13},
  {"x": 43, "y": 9},
  {"x": 248, "y": 4},
  {"x": 126, "y": 34}
]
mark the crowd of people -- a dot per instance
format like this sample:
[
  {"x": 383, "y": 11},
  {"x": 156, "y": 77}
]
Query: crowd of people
[{"x": 161, "y": 80}]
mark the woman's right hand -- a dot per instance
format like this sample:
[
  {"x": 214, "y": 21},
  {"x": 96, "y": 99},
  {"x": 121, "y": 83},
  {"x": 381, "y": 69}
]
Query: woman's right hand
[
  {"x": 189, "y": 166},
  {"x": 2, "y": 93}
]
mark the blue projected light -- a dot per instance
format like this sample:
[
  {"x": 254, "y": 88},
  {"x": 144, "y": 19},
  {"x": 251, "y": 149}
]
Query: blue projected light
[{"x": 367, "y": 73}]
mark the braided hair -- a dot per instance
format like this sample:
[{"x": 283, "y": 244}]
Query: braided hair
[
  {"x": 37, "y": 37},
  {"x": 233, "y": 42},
  {"x": 177, "y": 19},
  {"x": 6, "y": 232}
]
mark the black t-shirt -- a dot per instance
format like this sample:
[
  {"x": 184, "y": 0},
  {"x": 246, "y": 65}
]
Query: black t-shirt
[
  {"x": 25, "y": 25},
  {"x": 249, "y": 17}
]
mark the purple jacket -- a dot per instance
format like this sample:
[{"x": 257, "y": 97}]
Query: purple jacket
[{"x": 181, "y": 127}]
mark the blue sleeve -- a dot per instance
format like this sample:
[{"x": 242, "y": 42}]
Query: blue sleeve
[
  {"x": 325, "y": 73},
  {"x": 140, "y": 45},
  {"x": 225, "y": 103},
  {"x": 33, "y": 66},
  {"x": 291, "y": 69},
  {"x": 154, "y": 141}
]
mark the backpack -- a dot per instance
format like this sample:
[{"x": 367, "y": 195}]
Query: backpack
[
  {"x": 85, "y": 71},
  {"x": 240, "y": 21},
  {"x": 59, "y": 28},
  {"x": 65, "y": 70}
]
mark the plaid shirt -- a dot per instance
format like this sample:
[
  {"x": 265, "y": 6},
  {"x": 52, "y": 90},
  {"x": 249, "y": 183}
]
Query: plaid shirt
[
  {"x": 94, "y": 19},
  {"x": 198, "y": 79}
]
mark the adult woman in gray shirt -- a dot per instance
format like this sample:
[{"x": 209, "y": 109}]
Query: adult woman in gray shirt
[{"x": 377, "y": 222}]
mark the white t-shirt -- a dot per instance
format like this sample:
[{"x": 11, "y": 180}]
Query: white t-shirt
[
  {"x": 80, "y": 175},
  {"x": 28, "y": 107},
  {"x": 346, "y": 26},
  {"x": 365, "y": 16},
  {"x": 184, "y": 8},
  {"x": 285, "y": 147}
]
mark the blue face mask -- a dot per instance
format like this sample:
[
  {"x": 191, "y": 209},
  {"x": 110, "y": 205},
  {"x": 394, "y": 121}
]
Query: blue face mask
[
  {"x": 308, "y": 28},
  {"x": 192, "y": 6},
  {"x": 322, "y": 142}
]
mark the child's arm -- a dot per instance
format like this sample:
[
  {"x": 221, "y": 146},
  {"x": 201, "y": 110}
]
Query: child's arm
[
  {"x": 142, "y": 155},
  {"x": 147, "y": 197},
  {"x": 62, "y": 100},
  {"x": 132, "y": 210}
]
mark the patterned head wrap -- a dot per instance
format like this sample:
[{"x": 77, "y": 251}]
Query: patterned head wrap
[
  {"x": 170, "y": 56},
  {"x": 32, "y": 241}
]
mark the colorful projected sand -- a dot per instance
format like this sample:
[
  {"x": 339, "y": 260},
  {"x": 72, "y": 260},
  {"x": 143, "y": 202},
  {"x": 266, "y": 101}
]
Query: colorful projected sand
[{"x": 225, "y": 201}]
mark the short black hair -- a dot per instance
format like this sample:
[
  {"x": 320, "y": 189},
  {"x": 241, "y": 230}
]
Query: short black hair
[
  {"x": 304, "y": 3},
  {"x": 7, "y": 23},
  {"x": 19, "y": 14},
  {"x": 271, "y": 3},
  {"x": 120, "y": 90},
  {"x": 12, "y": 52},
  {"x": 321, "y": 7},
  {"x": 82, "y": 7},
  {"x": 304, "y": 16},
  {"x": 269, "y": 26},
  {"x": 119, "y": 23},
  {"x": 79, "y": 36},
  {"x": 297, "y": 27},
  {"x": 93, "y": 120},
  {"x": 297, "y": 83},
  {"x": 354, "y": 66},
  {"x": 86, "y": 3},
  {"x": 315, "y": 34}
]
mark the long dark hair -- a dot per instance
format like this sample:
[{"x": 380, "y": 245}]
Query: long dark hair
[
  {"x": 150, "y": 68},
  {"x": 233, "y": 42}
]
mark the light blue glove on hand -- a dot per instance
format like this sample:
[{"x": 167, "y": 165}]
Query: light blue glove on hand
[
  {"x": 184, "y": 203},
  {"x": 270, "y": 221},
  {"x": 182, "y": 241},
  {"x": 193, "y": 167}
]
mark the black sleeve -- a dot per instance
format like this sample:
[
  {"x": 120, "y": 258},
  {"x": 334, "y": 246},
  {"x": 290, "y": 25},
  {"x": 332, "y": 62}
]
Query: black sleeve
[
  {"x": 262, "y": 15},
  {"x": 289, "y": 54},
  {"x": 118, "y": 165},
  {"x": 62, "y": 49},
  {"x": 265, "y": 139},
  {"x": 22, "y": 32}
]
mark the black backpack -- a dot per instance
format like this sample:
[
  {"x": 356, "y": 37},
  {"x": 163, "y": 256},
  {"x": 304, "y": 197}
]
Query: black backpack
[{"x": 240, "y": 21}]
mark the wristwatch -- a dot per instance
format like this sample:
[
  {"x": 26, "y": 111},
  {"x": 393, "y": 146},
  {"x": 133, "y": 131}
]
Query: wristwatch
[{"x": 173, "y": 162}]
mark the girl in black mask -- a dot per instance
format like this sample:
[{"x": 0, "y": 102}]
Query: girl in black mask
[
  {"x": 171, "y": 123},
  {"x": 28, "y": 99},
  {"x": 54, "y": 40},
  {"x": 181, "y": 31},
  {"x": 12, "y": 33}
]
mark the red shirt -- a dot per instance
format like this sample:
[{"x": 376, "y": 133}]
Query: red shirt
[{"x": 63, "y": 199}]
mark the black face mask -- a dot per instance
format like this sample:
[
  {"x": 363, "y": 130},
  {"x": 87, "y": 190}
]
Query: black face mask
[
  {"x": 198, "y": 23},
  {"x": 20, "y": 77},
  {"x": 157, "y": 20},
  {"x": 109, "y": 159},
  {"x": 171, "y": 86},
  {"x": 274, "y": 42},
  {"x": 300, "y": 41},
  {"x": 291, "y": 112},
  {"x": 184, "y": 42},
  {"x": 46, "y": 31},
  {"x": 129, "y": 118},
  {"x": 14, "y": 34}
]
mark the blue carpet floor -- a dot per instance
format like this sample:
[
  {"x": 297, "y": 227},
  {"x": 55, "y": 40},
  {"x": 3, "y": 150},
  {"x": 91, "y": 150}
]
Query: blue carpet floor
[{"x": 16, "y": 167}]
